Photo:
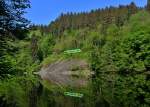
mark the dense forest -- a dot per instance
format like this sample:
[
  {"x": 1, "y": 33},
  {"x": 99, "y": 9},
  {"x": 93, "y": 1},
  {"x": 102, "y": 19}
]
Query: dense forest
[{"x": 115, "y": 41}]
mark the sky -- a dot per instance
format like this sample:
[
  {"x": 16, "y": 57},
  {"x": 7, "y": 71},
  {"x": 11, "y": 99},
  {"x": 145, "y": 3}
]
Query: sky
[{"x": 45, "y": 11}]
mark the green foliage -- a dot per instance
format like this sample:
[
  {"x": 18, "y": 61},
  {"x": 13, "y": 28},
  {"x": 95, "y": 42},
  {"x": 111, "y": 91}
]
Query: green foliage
[
  {"x": 51, "y": 59},
  {"x": 118, "y": 48},
  {"x": 122, "y": 65},
  {"x": 7, "y": 61},
  {"x": 46, "y": 46},
  {"x": 11, "y": 16},
  {"x": 7, "y": 64},
  {"x": 109, "y": 15},
  {"x": 14, "y": 91},
  {"x": 15, "y": 62}
]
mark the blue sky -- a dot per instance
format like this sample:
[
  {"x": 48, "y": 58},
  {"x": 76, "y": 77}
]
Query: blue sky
[{"x": 44, "y": 11}]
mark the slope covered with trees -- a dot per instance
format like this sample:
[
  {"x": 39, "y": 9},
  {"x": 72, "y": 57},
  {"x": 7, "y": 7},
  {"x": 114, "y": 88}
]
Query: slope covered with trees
[
  {"x": 115, "y": 41},
  {"x": 15, "y": 59},
  {"x": 105, "y": 16}
]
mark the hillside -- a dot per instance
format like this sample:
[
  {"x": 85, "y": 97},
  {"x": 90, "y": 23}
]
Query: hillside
[{"x": 112, "y": 69}]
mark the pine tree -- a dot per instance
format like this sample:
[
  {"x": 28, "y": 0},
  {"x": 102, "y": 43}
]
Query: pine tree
[
  {"x": 11, "y": 12},
  {"x": 148, "y": 5}
]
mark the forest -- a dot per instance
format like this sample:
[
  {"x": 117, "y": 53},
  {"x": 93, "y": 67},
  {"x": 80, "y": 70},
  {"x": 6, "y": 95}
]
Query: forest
[{"x": 114, "y": 42}]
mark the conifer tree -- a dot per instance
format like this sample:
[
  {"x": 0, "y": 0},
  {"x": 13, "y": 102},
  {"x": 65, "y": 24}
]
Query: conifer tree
[
  {"x": 148, "y": 5},
  {"x": 11, "y": 15}
]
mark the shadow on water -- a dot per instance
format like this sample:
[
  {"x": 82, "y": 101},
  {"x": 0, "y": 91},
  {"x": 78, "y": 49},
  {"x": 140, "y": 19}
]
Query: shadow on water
[
  {"x": 40, "y": 96},
  {"x": 35, "y": 94},
  {"x": 3, "y": 103}
]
